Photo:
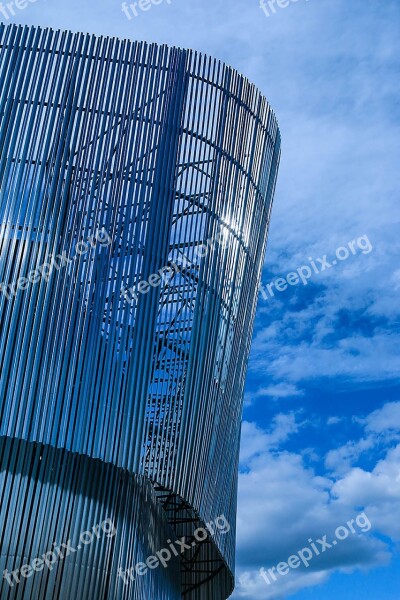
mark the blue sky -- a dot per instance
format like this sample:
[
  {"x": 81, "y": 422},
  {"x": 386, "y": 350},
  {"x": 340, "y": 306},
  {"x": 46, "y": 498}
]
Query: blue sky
[{"x": 321, "y": 435}]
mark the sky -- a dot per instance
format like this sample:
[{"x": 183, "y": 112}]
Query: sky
[{"x": 321, "y": 430}]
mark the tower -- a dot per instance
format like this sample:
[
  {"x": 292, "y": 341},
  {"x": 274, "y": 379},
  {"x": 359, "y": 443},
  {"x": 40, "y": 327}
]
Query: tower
[{"x": 125, "y": 166}]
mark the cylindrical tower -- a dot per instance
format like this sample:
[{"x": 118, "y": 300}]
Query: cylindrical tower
[{"x": 136, "y": 184}]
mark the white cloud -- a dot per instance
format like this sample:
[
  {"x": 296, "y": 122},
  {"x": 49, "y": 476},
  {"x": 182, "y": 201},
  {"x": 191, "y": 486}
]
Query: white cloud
[
  {"x": 382, "y": 426},
  {"x": 333, "y": 420},
  {"x": 378, "y": 491},
  {"x": 281, "y": 390},
  {"x": 340, "y": 460},
  {"x": 384, "y": 420},
  {"x": 250, "y": 585},
  {"x": 396, "y": 279},
  {"x": 307, "y": 346},
  {"x": 255, "y": 440},
  {"x": 283, "y": 503},
  {"x": 278, "y": 391}
]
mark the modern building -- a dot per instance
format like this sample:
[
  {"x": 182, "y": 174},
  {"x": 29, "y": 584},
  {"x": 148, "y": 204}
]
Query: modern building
[{"x": 136, "y": 184}]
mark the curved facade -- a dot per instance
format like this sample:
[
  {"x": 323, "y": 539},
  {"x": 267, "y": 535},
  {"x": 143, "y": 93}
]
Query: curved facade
[{"x": 136, "y": 186}]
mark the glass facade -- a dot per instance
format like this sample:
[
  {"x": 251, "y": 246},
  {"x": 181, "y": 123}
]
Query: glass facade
[{"x": 136, "y": 184}]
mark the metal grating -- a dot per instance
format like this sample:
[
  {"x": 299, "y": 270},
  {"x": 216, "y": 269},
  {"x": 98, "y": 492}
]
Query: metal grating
[{"x": 165, "y": 149}]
